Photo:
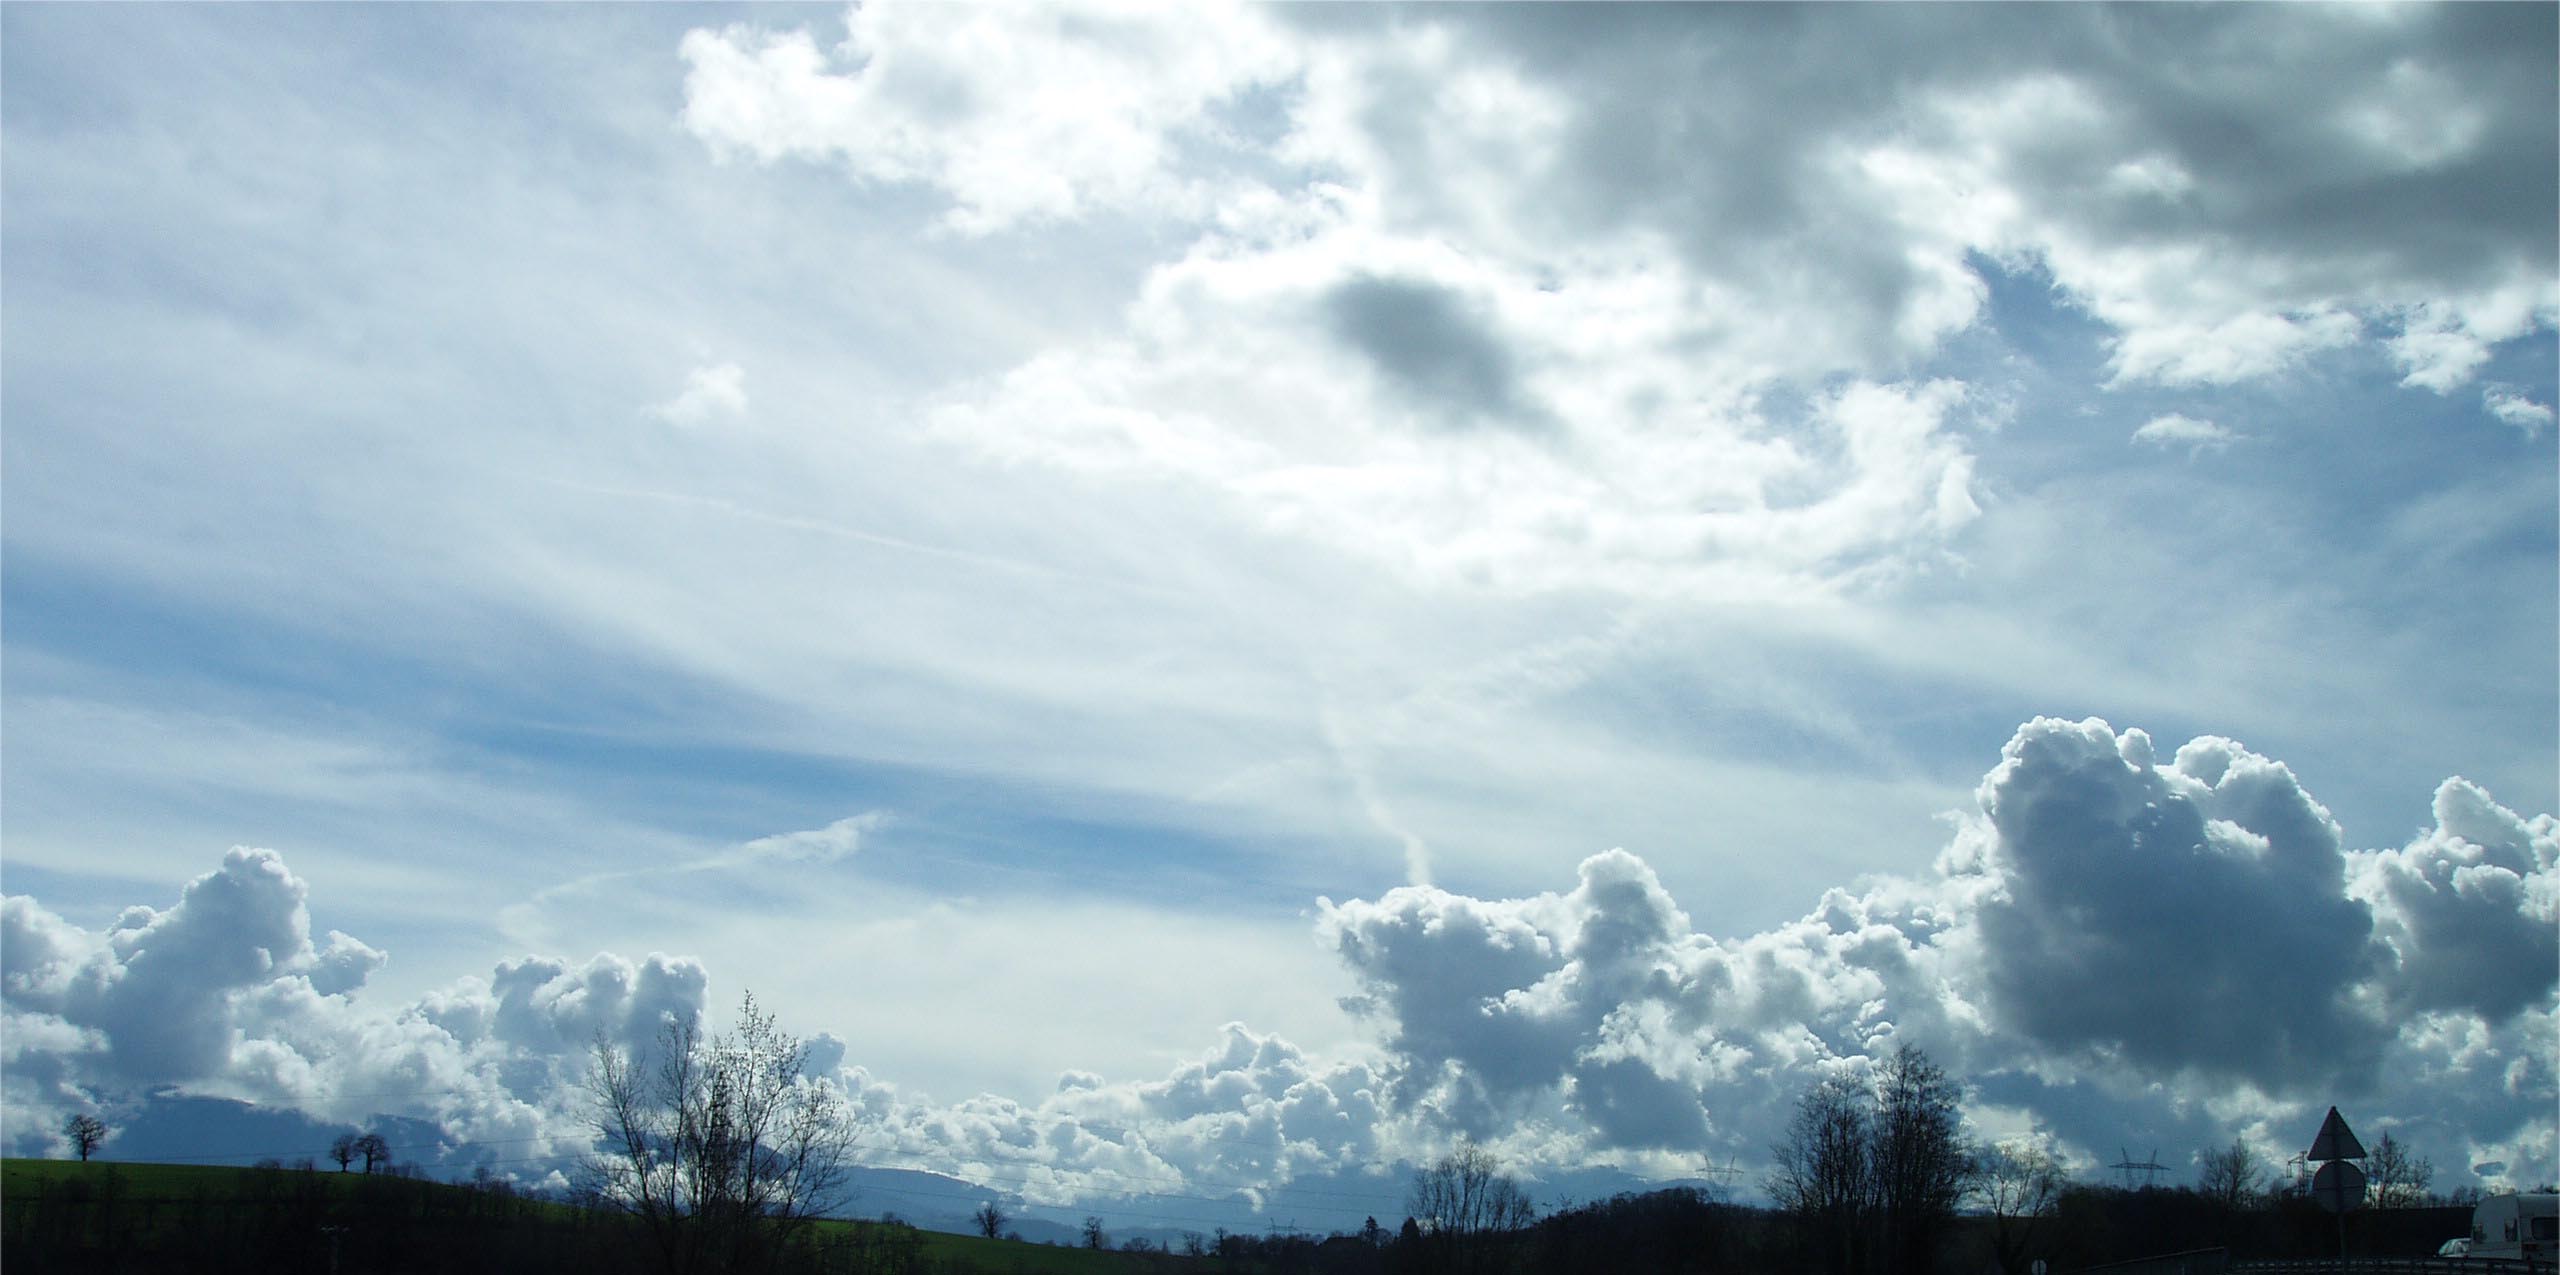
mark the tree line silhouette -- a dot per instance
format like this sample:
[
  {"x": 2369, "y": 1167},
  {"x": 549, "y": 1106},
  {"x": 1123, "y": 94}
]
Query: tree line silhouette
[{"x": 717, "y": 1155}]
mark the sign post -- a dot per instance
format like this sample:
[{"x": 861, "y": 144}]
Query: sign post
[{"x": 2339, "y": 1185}]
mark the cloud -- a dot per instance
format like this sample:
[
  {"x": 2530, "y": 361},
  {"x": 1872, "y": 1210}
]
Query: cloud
[
  {"x": 2179, "y": 917},
  {"x": 1734, "y": 327},
  {"x": 344, "y": 964},
  {"x": 714, "y": 393},
  {"x": 1018, "y": 116},
  {"x": 2442, "y": 343},
  {"x": 1316, "y": 400},
  {"x": 2470, "y": 910},
  {"x": 2175, "y": 430},
  {"x": 2111, "y": 941},
  {"x": 2517, "y": 409},
  {"x": 224, "y": 994},
  {"x": 2351, "y": 179},
  {"x": 1425, "y": 343},
  {"x": 817, "y": 845},
  {"x": 161, "y": 986},
  {"x": 791, "y": 851},
  {"x": 1391, "y": 230},
  {"x": 2111, "y": 945}
]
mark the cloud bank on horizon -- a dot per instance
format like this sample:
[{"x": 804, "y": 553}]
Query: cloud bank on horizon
[
  {"x": 2111, "y": 941},
  {"x": 967, "y": 519}
]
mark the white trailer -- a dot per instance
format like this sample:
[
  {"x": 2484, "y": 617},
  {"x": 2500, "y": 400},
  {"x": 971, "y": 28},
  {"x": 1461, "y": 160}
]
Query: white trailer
[{"x": 2525, "y": 1227}]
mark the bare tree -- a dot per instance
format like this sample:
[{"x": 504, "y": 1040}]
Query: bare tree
[
  {"x": 1464, "y": 1202},
  {"x": 1093, "y": 1236},
  {"x": 2019, "y": 1184},
  {"x": 2399, "y": 1178},
  {"x": 86, "y": 1132},
  {"x": 374, "y": 1148},
  {"x": 721, "y": 1147},
  {"x": 342, "y": 1149},
  {"x": 990, "y": 1220},
  {"x": 2231, "y": 1177},
  {"x": 1920, "y": 1161},
  {"x": 1871, "y": 1174},
  {"x": 1822, "y": 1178}
]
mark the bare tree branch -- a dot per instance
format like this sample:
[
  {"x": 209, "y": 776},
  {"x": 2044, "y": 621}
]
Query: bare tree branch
[{"x": 721, "y": 1148}]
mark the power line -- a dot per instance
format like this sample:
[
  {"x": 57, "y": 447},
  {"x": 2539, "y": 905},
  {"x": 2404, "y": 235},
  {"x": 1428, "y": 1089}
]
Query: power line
[{"x": 2150, "y": 1169}]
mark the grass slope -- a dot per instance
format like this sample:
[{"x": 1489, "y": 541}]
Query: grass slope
[
  {"x": 167, "y": 1199},
  {"x": 1015, "y": 1255}
]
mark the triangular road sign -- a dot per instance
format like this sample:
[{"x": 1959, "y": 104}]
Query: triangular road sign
[{"x": 2336, "y": 1141}]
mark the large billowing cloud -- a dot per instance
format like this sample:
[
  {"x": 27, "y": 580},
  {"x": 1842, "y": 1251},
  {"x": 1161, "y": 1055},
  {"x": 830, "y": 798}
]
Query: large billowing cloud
[
  {"x": 2112, "y": 944},
  {"x": 225, "y": 993},
  {"x": 2179, "y": 944},
  {"x": 163, "y": 986},
  {"x": 2188, "y": 915},
  {"x": 2470, "y": 910}
]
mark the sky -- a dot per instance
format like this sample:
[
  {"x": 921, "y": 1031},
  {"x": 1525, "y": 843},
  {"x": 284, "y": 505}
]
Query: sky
[{"x": 1217, "y": 597}]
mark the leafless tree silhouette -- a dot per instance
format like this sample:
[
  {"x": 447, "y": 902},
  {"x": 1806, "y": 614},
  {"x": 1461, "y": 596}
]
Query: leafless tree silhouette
[
  {"x": 1822, "y": 1177},
  {"x": 2399, "y": 1177},
  {"x": 86, "y": 1132},
  {"x": 1464, "y": 1204},
  {"x": 720, "y": 1146},
  {"x": 2231, "y": 1177},
  {"x": 2019, "y": 1184}
]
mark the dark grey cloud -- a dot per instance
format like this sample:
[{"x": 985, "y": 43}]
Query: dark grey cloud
[
  {"x": 2320, "y": 156},
  {"x": 2287, "y": 122},
  {"x": 1432, "y": 349},
  {"x": 2191, "y": 916},
  {"x": 2260, "y": 105},
  {"x": 1631, "y": 1105}
]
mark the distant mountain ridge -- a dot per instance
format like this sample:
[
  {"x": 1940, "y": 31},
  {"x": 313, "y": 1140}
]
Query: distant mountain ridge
[{"x": 175, "y": 1128}]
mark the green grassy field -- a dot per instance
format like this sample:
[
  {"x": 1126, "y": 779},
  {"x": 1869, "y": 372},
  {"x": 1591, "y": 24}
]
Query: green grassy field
[
  {"x": 1014, "y": 1255},
  {"x": 165, "y": 1207},
  {"x": 176, "y": 1184},
  {"x": 157, "y": 1204}
]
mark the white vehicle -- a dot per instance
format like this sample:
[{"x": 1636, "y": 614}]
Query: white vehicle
[
  {"x": 2517, "y": 1226},
  {"x": 2458, "y": 1246}
]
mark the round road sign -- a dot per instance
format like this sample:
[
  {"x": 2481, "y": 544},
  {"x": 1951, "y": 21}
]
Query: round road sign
[{"x": 2339, "y": 1186}]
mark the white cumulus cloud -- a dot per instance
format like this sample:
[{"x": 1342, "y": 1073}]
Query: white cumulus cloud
[
  {"x": 717, "y": 392},
  {"x": 2177, "y": 430},
  {"x": 2517, "y": 409},
  {"x": 2111, "y": 942},
  {"x": 1019, "y": 114}
]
